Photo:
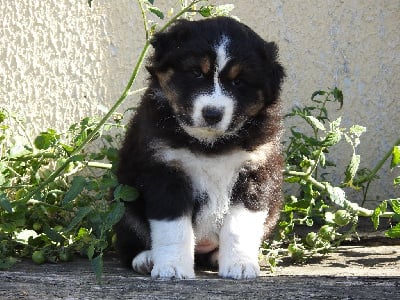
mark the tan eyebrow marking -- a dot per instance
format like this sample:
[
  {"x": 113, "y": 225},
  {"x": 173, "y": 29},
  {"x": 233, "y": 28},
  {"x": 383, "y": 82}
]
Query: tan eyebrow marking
[
  {"x": 234, "y": 71},
  {"x": 205, "y": 65}
]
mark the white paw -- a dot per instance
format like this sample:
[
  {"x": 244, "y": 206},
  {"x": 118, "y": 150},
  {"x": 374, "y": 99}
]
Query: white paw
[
  {"x": 169, "y": 271},
  {"x": 143, "y": 262},
  {"x": 239, "y": 270}
]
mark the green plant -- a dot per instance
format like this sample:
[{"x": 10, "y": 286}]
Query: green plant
[
  {"x": 313, "y": 203},
  {"x": 71, "y": 213}
]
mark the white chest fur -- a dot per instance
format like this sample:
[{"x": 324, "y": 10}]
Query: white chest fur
[{"x": 214, "y": 175}]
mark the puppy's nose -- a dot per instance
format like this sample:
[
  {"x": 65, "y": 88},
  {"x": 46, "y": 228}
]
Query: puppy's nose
[{"x": 212, "y": 115}]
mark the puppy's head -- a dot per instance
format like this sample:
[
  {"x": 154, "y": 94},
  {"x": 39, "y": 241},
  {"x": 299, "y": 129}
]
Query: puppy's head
[{"x": 216, "y": 74}]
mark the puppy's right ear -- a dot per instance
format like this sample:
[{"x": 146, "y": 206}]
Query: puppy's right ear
[{"x": 166, "y": 44}]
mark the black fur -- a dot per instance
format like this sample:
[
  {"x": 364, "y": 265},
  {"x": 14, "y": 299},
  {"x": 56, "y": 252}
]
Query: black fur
[{"x": 165, "y": 190}]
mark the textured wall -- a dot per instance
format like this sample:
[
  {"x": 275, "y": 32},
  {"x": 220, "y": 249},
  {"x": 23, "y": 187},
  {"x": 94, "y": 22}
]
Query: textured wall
[{"x": 61, "y": 60}]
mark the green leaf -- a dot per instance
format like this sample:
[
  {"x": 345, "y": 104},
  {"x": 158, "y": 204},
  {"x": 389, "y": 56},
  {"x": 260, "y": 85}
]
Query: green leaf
[
  {"x": 79, "y": 216},
  {"x": 3, "y": 116},
  {"x": 53, "y": 235},
  {"x": 395, "y": 204},
  {"x": 335, "y": 125},
  {"x": 77, "y": 185},
  {"x": 352, "y": 168},
  {"x": 375, "y": 217},
  {"x": 315, "y": 123},
  {"x": 336, "y": 194},
  {"x": 112, "y": 154},
  {"x": 125, "y": 193},
  {"x": 97, "y": 265},
  {"x": 292, "y": 179},
  {"x": 396, "y": 181},
  {"x": 77, "y": 157},
  {"x": 357, "y": 130},
  {"x": 317, "y": 93},
  {"x": 302, "y": 205},
  {"x": 332, "y": 138},
  {"x": 115, "y": 214},
  {"x": 5, "y": 203},
  {"x": 377, "y": 213},
  {"x": 67, "y": 148},
  {"x": 47, "y": 139},
  {"x": 338, "y": 95},
  {"x": 206, "y": 11},
  {"x": 156, "y": 11},
  {"x": 395, "y": 157},
  {"x": 216, "y": 10},
  {"x": 90, "y": 251},
  {"x": 394, "y": 232}
]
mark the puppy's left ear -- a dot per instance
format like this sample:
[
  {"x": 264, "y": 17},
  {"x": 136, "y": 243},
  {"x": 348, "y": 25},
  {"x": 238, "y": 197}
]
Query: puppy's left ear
[
  {"x": 166, "y": 44},
  {"x": 276, "y": 72}
]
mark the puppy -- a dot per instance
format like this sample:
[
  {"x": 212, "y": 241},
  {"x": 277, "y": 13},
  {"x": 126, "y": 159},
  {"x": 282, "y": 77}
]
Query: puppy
[{"x": 203, "y": 150}]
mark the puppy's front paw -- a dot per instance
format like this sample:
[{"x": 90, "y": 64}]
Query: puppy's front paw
[
  {"x": 169, "y": 271},
  {"x": 143, "y": 262},
  {"x": 239, "y": 270}
]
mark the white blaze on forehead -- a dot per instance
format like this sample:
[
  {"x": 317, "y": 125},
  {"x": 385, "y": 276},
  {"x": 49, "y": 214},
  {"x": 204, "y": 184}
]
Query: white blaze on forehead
[
  {"x": 221, "y": 61},
  {"x": 222, "y": 54}
]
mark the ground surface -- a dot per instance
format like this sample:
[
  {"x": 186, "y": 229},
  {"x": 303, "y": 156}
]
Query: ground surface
[{"x": 352, "y": 272}]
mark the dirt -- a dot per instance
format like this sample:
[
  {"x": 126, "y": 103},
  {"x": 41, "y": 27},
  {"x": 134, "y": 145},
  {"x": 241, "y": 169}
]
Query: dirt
[{"x": 352, "y": 272}]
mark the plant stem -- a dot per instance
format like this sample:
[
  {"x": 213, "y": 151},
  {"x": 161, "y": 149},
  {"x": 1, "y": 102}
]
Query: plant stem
[
  {"x": 41, "y": 154},
  {"x": 144, "y": 18},
  {"x": 99, "y": 165},
  {"x": 314, "y": 167},
  {"x": 378, "y": 166},
  {"x": 361, "y": 211}
]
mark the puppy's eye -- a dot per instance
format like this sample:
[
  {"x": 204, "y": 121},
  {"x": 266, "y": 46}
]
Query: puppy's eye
[
  {"x": 237, "y": 82},
  {"x": 197, "y": 73}
]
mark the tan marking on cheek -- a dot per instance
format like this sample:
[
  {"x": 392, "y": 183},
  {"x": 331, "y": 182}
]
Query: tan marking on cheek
[
  {"x": 255, "y": 107},
  {"x": 205, "y": 65},
  {"x": 234, "y": 72},
  {"x": 164, "y": 80}
]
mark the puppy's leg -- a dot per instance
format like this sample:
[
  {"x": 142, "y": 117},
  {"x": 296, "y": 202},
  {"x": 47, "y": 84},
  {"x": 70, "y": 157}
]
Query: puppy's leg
[
  {"x": 240, "y": 239},
  {"x": 172, "y": 248}
]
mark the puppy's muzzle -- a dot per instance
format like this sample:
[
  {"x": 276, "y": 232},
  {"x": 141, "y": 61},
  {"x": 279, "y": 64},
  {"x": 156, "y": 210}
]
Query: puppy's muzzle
[{"x": 212, "y": 115}]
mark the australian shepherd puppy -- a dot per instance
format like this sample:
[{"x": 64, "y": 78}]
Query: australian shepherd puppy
[{"x": 203, "y": 150}]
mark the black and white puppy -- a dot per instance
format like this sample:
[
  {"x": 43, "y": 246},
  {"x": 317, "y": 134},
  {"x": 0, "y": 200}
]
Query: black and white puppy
[{"x": 203, "y": 150}]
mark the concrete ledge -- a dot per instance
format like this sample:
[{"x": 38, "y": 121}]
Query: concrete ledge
[{"x": 352, "y": 272}]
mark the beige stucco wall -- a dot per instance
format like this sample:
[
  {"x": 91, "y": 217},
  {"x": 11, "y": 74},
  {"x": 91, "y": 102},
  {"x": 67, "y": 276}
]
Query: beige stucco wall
[{"x": 61, "y": 61}]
